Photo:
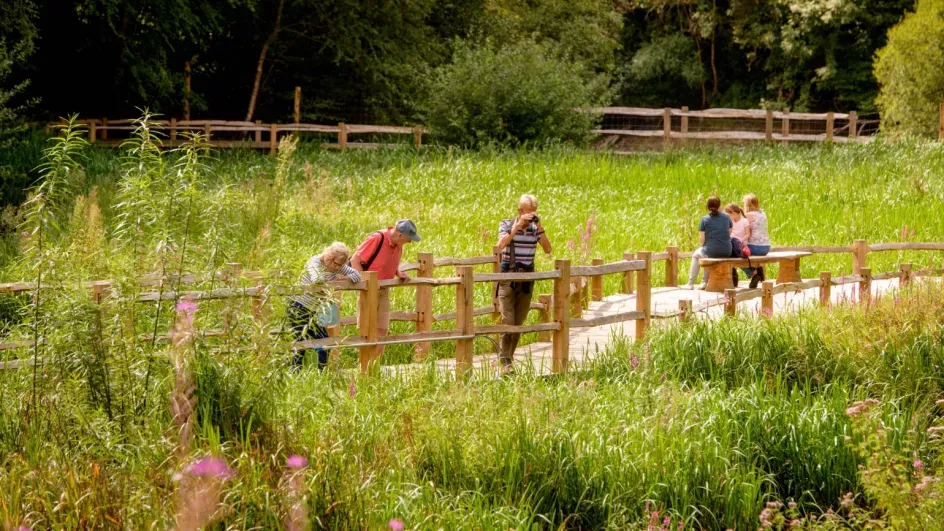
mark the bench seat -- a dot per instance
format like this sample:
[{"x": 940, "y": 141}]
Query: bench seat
[{"x": 719, "y": 269}]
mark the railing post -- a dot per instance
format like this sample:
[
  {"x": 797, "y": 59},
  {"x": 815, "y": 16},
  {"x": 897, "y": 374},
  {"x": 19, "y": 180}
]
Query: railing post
[
  {"x": 465, "y": 311},
  {"x": 496, "y": 268},
  {"x": 671, "y": 267},
  {"x": 628, "y": 276},
  {"x": 785, "y": 125},
  {"x": 865, "y": 285},
  {"x": 273, "y": 139},
  {"x": 905, "y": 275},
  {"x": 417, "y": 136},
  {"x": 173, "y": 130},
  {"x": 825, "y": 288},
  {"x": 298, "y": 105},
  {"x": 730, "y": 302},
  {"x": 561, "y": 336},
  {"x": 644, "y": 293},
  {"x": 767, "y": 298},
  {"x": 769, "y": 126},
  {"x": 684, "y": 124},
  {"x": 208, "y": 130},
  {"x": 860, "y": 254},
  {"x": 596, "y": 283},
  {"x": 104, "y": 135},
  {"x": 424, "y": 304},
  {"x": 667, "y": 126},
  {"x": 940, "y": 131},
  {"x": 829, "y": 126},
  {"x": 685, "y": 310},
  {"x": 92, "y": 129},
  {"x": 342, "y": 136},
  {"x": 367, "y": 319},
  {"x": 853, "y": 125},
  {"x": 544, "y": 316},
  {"x": 258, "y": 135}
]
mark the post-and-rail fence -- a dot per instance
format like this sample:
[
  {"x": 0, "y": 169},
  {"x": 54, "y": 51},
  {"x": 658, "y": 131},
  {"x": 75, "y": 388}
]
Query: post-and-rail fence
[{"x": 573, "y": 287}]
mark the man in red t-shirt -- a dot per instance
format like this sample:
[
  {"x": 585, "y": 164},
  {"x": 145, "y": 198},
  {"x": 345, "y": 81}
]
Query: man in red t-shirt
[{"x": 381, "y": 252}]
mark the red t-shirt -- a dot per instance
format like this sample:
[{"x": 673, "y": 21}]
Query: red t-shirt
[{"x": 387, "y": 261}]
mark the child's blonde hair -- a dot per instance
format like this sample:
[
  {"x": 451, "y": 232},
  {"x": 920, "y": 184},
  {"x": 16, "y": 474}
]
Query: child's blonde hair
[
  {"x": 751, "y": 203},
  {"x": 336, "y": 250},
  {"x": 733, "y": 208}
]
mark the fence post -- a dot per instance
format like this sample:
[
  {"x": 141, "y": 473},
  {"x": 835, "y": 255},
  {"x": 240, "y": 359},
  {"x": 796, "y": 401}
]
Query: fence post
[
  {"x": 417, "y": 136},
  {"x": 298, "y": 104},
  {"x": 905, "y": 275},
  {"x": 767, "y": 298},
  {"x": 671, "y": 267},
  {"x": 940, "y": 131},
  {"x": 685, "y": 310},
  {"x": 667, "y": 126},
  {"x": 544, "y": 316},
  {"x": 465, "y": 311},
  {"x": 769, "y": 126},
  {"x": 785, "y": 126},
  {"x": 208, "y": 130},
  {"x": 860, "y": 256},
  {"x": 853, "y": 124},
  {"x": 173, "y": 130},
  {"x": 825, "y": 288},
  {"x": 829, "y": 126},
  {"x": 424, "y": 304},
  {"x": 273, "y": 139},
  {"x": 367, "y": 319},
  {"x": 644, "y": 293},
  {"x": 561, "y": 336},
  {"x": 596, "y": 283},
  {"x": 865, "y": 285},
  {"x": 91, "y": 131},
  {"x": 104, "y": 135},
  {"x": 730, "y": 302},
  {"x": 496, "y": 268},
  {"x": 628, "y": 275},
  {"x": 258, "y": 134},
  {"x": 684, "y": 124},
  {"x": 342, "y": 136}
]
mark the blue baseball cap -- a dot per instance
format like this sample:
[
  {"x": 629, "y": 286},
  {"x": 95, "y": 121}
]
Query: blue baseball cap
[{"x": 407, "y": 228}]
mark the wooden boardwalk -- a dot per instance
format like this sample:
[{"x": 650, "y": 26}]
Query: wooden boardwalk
[{"x": 587, "y": 343}]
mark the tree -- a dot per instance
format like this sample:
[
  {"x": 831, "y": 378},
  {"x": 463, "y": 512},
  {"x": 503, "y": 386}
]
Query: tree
[
  {"x": 910, "y": 71},
  {"x": 17, "y": 43}
]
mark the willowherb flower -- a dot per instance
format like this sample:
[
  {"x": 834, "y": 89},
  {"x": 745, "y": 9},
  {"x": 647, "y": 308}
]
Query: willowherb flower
[
  {"x": 200, "y": 492},
  {"x": 918, "y": 465},
  {"x": 211, "y": 467},
  {"x": 297, "y": 517},
  {"x": 351, "y": 389},
  {"x": 395, "y": 524},
  {"x": 766, "y": 518},
  {"x": 296, "y": 461},
  {"x": 846, "y": 500}
]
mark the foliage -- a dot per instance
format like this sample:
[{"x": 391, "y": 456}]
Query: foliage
[
  {"x": 513, "y": 95},
  {"x": 911, "y": 71}
]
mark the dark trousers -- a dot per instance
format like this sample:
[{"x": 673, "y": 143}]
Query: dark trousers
[
  {"x": 305, "y": 326},
  {"x": 514, "y": 301}
]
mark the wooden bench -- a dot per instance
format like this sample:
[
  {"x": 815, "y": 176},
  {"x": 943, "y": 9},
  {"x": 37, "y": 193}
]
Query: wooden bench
[{"x": 719, "y": 269}]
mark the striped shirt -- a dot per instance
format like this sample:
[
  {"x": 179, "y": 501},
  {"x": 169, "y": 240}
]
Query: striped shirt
[
  {"x": 526, "y": 241},
  {"x": 315, "y": 273}
]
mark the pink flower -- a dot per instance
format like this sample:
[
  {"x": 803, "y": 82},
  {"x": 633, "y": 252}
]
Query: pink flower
[
  {"x": 25, "y": 235},
  {"x": 186, "y": 306},
  {"x": 211, "y": 467},
  {"x": 918, "y": 464},
  {"x": 23, "y": 527},
  {"x": 395, "y": 524},
  {"x": 571, "y": 244},
  {"x": 666, "y": 521},
  {"x": 296, "y": 461},
  {"x": 351, "y": 389}
]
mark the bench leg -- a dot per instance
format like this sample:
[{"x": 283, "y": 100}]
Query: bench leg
[
  {"x": 719, "y": 278},
  {"x": 789, "y": 271}
]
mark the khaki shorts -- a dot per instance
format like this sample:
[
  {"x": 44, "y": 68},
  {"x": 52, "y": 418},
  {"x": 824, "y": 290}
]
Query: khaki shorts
[{"x": 383, "y": 310}]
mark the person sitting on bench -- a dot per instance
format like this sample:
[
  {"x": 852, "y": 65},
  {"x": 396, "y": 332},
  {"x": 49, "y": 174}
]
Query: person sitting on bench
[{"x": 714, "y": 235}]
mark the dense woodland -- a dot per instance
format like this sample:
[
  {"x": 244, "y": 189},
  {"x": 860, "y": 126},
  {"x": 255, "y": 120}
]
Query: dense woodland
[{"x": 375, "y": 60}]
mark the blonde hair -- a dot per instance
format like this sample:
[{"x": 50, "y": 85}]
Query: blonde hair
[
  {"x": 751, "y": 203},
  {"x": 336, "y": 249},
  {"x": 528, "y": 200}
]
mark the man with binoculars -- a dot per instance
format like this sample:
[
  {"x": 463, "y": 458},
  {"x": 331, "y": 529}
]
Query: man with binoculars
[{"x": 518, "y": 239}]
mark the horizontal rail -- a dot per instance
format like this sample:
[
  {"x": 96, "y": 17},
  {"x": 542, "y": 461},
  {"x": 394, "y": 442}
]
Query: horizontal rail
[
  {"x": 501, "y": 277},
  {"x": 608, "y": 269},
  {"x": 713, "y": 113},
  {"x": 633, "y": 315},
  {"x": 907, "y": 247}
]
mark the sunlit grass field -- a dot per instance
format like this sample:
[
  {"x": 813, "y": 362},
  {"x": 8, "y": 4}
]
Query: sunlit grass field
[{"x": 703, "y": 424}]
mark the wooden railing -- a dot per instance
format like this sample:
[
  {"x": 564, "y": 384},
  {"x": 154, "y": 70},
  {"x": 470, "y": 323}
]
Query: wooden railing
[
  {"x": 558, "y": 312},
  {"x": 255, "y": 135},
  {"x": 715, "y": 124}
]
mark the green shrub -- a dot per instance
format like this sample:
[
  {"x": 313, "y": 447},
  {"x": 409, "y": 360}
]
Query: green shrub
[
  {"x": 522, "y": 93},
  {"x": 910, "y": 70}
]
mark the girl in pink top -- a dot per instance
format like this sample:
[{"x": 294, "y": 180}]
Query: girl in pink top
[{"x": 741, "y": 224}]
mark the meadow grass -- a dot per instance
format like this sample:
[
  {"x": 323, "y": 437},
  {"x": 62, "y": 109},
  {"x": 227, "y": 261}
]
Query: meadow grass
[{"x": 704, "y": 423}]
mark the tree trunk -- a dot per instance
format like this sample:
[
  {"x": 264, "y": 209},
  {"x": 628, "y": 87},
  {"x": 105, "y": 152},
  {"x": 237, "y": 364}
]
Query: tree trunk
[
  {"x": 262, "y": 56},
  {"x": 714, "y": 70},
  {"x": 704, "y": 99}
]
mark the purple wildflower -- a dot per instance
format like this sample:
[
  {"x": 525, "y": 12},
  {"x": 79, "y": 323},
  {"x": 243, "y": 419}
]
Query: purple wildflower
[
  {"x": 666, "y": 521},
  {"x": 186, "y": 306},
  {"x": 25, "y": 234},
  {"x": 395, "y": 524},
  {"x": 351, "y": 389},
  {"x": 211, "y": 467},
  {"x": 296, "y": 461},
  {"x": 23, "y": 527},
  {"x": 918, "y": 464}
]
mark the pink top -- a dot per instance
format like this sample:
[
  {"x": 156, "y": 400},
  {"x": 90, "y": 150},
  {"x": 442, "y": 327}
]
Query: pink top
[{"x": 740, "y": 229}]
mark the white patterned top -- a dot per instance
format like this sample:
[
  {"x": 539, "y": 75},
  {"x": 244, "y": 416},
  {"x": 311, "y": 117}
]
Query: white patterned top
[{"x": 759, "y": 234}]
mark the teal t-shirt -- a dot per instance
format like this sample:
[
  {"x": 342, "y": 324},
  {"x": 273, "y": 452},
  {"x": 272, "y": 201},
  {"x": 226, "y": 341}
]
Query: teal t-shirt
[{"x": 717, "y": 231}]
